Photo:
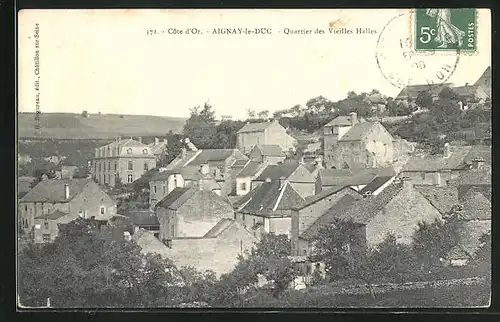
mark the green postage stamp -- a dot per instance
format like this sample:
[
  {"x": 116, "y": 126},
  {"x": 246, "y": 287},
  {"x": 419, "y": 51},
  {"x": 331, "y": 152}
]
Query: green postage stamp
[{"x": 445, "y": 29}]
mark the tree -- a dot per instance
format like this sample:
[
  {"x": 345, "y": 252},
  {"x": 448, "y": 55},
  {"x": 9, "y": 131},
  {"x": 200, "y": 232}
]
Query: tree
[
  {"x": 397, "y": 108},
  {"x": 226, "y": 134},
  {"x": 90, "y": 265},
  {"x": 319, "y": 104},
  {"x": 433, "y": 242},
  {"x": 351, "y": 94},
  {"x": 85, "y": 114},
  {"x": 200, "y": 127},
  {"x": 424, "y": 99},
  {"x": 263, "y": 114},
  {"x": 251, "y": 113},
  {"x": 174, "y": 145},
  {"x": 448, "y": 94}
]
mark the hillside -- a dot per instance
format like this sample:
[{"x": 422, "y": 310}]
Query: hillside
[{"x": 98, "y": 126}]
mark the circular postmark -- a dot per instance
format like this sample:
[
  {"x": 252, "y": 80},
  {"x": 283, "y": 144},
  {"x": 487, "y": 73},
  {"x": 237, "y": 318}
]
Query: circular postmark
[{"x": 402, "y": 66}]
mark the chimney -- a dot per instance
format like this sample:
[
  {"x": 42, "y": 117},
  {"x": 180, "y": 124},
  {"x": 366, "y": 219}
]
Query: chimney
[
  {"x": 204, "y": 169},
  {"x": 466, "y": 84},
  {"x": 66, "y": 191},
  {"x": 447, "y": 150},
  {"x": 48, "y": 301},
  {"x": 354, "y": 118},
  {"x": 139, "y": 139},
  {"x": 477, "y": 163},
  {"x": 157, "y": 141}
]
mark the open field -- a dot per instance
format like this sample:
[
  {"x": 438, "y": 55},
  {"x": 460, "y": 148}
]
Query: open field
[{"x": 96, "y": 126}]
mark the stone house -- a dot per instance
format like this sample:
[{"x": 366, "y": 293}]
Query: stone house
[
  {"x": 221, "y": 165},
  {"x": 190, "y": 212},
  {"x": 347, "y": 139},
  {"x": 377, "y": 101},
  {"x": 125, "y": 160},
  {"x": 294, "y": 172},
  {"x": 217, "y": 250},
  {"x": 264, "y": 133},
  {"x": 311, "y": 209},
  {"x": 245, "y": 177},
  {"x": 46, "y": 225},
  {"x": 144, "y": 219},
  {"x": 441, "y": 169},
  {"x": 268, "y": 208},
  {"x": 163, "y": 183},
  {"x": 72, "y": 197},
  {"x": 270, "y": 153}
]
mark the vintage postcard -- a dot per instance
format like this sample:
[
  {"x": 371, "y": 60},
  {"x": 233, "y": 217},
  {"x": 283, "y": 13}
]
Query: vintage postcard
[{"x": 254, "y": 158}]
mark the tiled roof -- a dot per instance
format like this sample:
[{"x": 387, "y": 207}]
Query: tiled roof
[
  {"x": 176, "y": 198},
  {"x": 325, "y": 193},
  {"x": 211, "y": 155},
  {"x": 343, "y": 121},
  {"x": 276, "y": 171},
  {"x": 475, "y": 206},
  {"x": 142, "y": 218},
  {"x": 442, "y": 198},
  {"x": 219, "y": 227},
  {"x": 54, "y": 190},
  {"x": 358, "y": 131},
  {"x": 476, "y": 176},
  {"x": 254, "y": 127},
  {"x": 250, "y": 169},
  {"x": 469, "y": 234},
  {"x": 56, "y": 214},
  {"x": 269, "y": 197},
  {"x": 429, "y": 163},
  {"x": 328, "y": 217},
  {"x": 273, "y": 150},
  {"x": 364, "y": 210}
]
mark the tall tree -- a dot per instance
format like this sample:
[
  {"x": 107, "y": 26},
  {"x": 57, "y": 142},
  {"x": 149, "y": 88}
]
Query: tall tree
[
  {"x": 251, "y": 113},
  {"x": 263, "y": 114},
  {"x": 424, "y": 99},
  {"x": 200, "y": 127}
]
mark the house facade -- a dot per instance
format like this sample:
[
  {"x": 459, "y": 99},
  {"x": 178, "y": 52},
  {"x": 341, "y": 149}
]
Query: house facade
[
  {"x": 159, "y": 148},
  {"x": 268, "y": 208},
  {"x": 265, "y": 133},
  {"x": 122, "y": 161},
  {"x": 74, "y": 198},
  {"x": 190, "y": 212},
  {"x": 162, "y": 184},
  {"x": 245, "y": 177},
  {"x": 271, "y": 154},
  {"x": 350, "y": 140}
]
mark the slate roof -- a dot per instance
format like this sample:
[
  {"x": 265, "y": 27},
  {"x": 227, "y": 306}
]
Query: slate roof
[
  {"x": 441, "y": 198},
  {"x": 323, "y": 194},
  {"x": 358, "y": 132},
  {"x": 239, "y": 163},
  {"x": 344, "y": 177},
  {"x": 364, "y": 210},
  {"x": 376, "y": 99},
  {"x": 275, "y": 171},
  {"x": 54, "y": 190},
  {"x": 328, "y": 217},
  {"x": 413, "y": 90},
  {"x": 469, "y": 234},
  {"x": 272, "y": 150},
  {"x": 250, "y": 169},
  {"x": 376, "y": 183},
  {"x": 143, "y": 218},
  {"x": 219, "y": 227},
  {"x": 176, "y": 198},
  {"x": 254, "y": 127},
  {"x": 263, "y": 199},
  {"x": 343, "y": 120},
  {"x": 466, "y": 90},
  {"x": 56, "y": 214},
  {"x": 163, "y": 176},
  {"x": 179, "y": 161},
  {"x": 207, "y": 155}
]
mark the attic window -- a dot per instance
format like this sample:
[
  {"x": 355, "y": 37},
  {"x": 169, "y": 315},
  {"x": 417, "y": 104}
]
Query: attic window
[
  {"x": 145, "y": 151},
  {"x": 129, "y": 151}
]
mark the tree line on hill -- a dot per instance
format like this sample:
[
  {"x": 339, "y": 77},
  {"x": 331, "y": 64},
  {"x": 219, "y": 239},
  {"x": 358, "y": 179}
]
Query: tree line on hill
[{"x": 93, "y": 265}]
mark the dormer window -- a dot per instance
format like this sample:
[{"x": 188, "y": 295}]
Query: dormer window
[
  {"x": 129, "y": 151},
  {"x": 145, "y": 151}
]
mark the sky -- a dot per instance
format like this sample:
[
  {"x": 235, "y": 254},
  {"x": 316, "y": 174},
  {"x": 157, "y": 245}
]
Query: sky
[{"x": 104, "y": 61}]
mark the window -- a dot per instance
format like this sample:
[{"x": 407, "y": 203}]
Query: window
[
  {"x": 130, "y": 178},
  {"x": 145, "y": 151},
  {"x": 46, "y": 225},
  {"x": 104, "y": 179},
  {"x": 46, "y": 238},
  {"x": 130, "y": 165},
  {"x": 243, "y": 186},
  {"x": 99, "y": 167},
  {"x": 154, "y": 188},
  {"x": 129, "y": 151},
  {"x": 146, "y": 166},
  {"x": 103, "y": 210},
  {"x": 109, "y": 177},
  {"x": 423, "y": 175},
  {"x": 109, "y": 166},
  {"x": 254, "y": 222},
  {"x": 26, "y": 208},
  {"x": 163, "y": 190},
  {"x": 116, "y": 166},
  {"x": 172, "y": 230},
  {"x": 243, "y": 217},
  {"x": 80, "y": 213},
  {"x": 109, "y": 151}
]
